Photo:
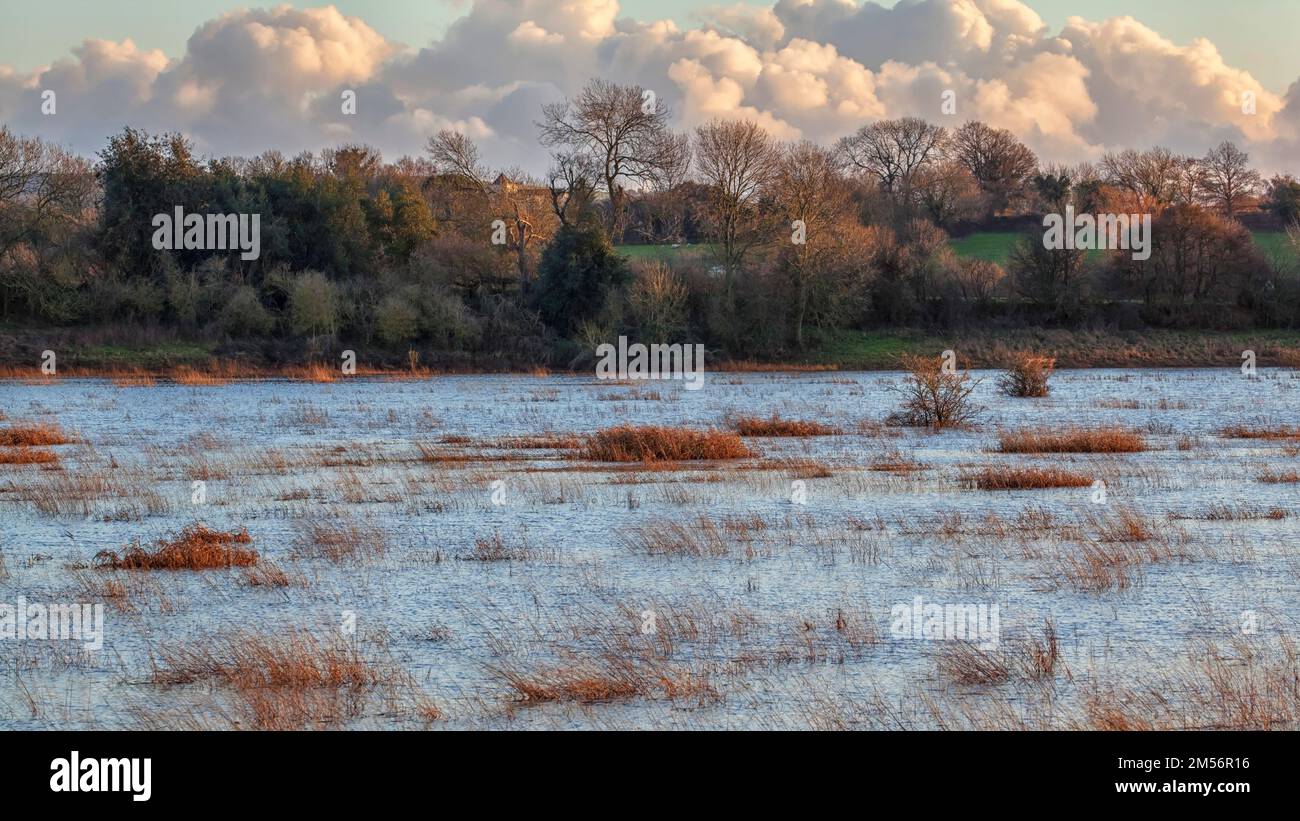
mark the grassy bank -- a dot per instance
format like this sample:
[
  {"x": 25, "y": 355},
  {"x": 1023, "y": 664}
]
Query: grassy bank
[
  {"x": 1072, "y": 349},
  {"x": 848, "y": 351}
]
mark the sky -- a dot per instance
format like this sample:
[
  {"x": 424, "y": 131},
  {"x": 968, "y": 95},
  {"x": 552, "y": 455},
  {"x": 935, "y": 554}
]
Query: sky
[
  {"x": 1073, "y": 79},
  {"x": 1259, "y": 35}
]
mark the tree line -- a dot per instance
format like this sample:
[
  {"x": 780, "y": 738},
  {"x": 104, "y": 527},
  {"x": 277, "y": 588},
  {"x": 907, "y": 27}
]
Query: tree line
[{"x": 780, "y": 245}]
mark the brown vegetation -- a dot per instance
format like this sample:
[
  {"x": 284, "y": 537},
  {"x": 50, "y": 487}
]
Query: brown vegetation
[
  {"x": 1027, "y": 376},
  {"x": 37, "y": 434},
  {"x": 628, "y": 443},
  {"x": 1247, "y": 432},
  {"x": 338, "y": 540},
  {"x": 1280, "y": 477},
  {"x": 775, "y": 426},
  {"x": 24, "y": 456},
  {"x": 196, "y": 548},
  {"x": 1071, "y": 440},
  {"x": 934, "y": 397},
  {"x": 1013, "y": 478},
  {"x": 288, "y": 682}
]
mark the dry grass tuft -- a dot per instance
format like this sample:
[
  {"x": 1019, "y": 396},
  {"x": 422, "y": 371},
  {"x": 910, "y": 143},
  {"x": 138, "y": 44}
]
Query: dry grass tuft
[
  {"x": 585, "y": 684},
  {"x": 185, "y": 375},
  {"x": 39, "y": 434},
  {"x": 699, "y": 538},
  {"x": 23, "y": 456},
  {"x": 1012, "y": 478},
  {"x": 1280, "y": 477},
  {"x": 894, "y": 461},
  {"x": 1247, "y": 685},
  {"x": 1125, "y": 543},
  {"x": 288, "y": 682},
  {"x": 495, "y": 549},
  {"x": 196, "y": 548},
  {"x": 1125, "y": 525},
  {"x": 313, "y": 372},
  {"x": 1071, "y": 440},
  {"x": 775, "y": 426},
  {"x": 966, "y": 663},
  {"x": 628, "y": 443},
  {"x": 1247, "y": 432},
  {"x": 339, "y": 540},
  {"x": 1032, "y": 658}
]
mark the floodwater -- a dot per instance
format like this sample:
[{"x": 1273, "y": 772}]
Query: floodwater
[{"x": 783, "y": 621}]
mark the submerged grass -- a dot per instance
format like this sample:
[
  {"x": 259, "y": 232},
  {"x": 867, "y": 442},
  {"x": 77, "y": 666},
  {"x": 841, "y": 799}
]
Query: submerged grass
[
  {"x": 1071, "y": 440},
  {"x": 1013, "y": 478},
  {"x": 36, "y": 434},
  {"x": 628, "y": 443},
  {"x": 776, "y": 426},
  {"x": 196, "y": 548}
]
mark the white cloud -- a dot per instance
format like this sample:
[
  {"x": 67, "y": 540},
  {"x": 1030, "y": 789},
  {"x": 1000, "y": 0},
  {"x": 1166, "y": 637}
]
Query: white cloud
[{"x": 271, "y": 78}]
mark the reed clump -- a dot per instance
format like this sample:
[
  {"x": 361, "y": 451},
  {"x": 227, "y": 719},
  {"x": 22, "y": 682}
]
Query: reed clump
[
  {"x": 1013, "y": 478},
  {"x": 197, "y": 547},
  {"x": 628, "y": 443},
  {"x": 36, "y": 434},
  {"x": 1071, "y": 440},
  {"x": 776, "y": 426}
]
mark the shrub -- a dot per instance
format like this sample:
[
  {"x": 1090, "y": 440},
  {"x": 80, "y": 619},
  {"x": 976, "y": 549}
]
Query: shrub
[
  {"x": 933, "y": 397},
  {"x": 313, "y": 307},
  {"x": 396, "y": 320},
  {"x": 578, "y": 270},
  {"x": 244, "y": 315},
  {"x": 658, "y": 301},
  {"x": 1027, "y": 376}
]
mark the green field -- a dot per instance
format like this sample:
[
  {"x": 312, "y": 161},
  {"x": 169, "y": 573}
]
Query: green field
[
  {"x": 667, "y": 253},
  {"x": 995, "y": 246}
]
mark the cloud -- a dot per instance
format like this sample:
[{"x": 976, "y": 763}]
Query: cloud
[{"x": 273, "y": 78}]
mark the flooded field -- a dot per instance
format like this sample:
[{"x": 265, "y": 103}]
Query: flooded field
[{"x": 445, "y": 553}]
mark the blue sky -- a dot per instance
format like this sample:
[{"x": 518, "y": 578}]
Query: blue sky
[{"x": 1258, "y": 35}]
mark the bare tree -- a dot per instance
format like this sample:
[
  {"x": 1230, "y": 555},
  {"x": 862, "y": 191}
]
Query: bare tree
[
  {"x": 456, "y": 158},
  {"x": 1229, "y": 179},
  {"x": 46, "y": 199},
  {"x": 41, "y": 186},
  {"x": 813, "y": 198},
  {"x": 738, "y": 161},
  {"x": 1149, "y": 180},
  {"x": 622, "y": 129},
  {"x": 947, "y": 191},
  {"x": 662, "y": 203},
  {"x": 1000, "y": 163},
  {"x": 894, "y": 151},
  {"x": 571, "y": 181}
]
